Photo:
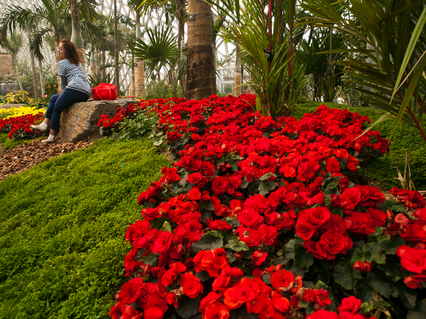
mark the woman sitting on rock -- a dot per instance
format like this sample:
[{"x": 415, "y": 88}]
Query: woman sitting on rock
[{"x": 74, "y": 85}]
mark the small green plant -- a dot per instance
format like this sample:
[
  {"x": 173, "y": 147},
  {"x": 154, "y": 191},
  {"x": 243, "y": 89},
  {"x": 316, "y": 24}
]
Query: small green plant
[
  {"x": 40, "y": 103},
  {"x": 17, "y": 97},
  {"x": 140, "y": 124},
  {"x": 159, "y": 89}
]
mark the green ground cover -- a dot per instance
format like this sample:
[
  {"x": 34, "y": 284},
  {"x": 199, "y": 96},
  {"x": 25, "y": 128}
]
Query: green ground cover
[
  {"x": 62, "y": 227},
  {"x": 382, "y": 169}
]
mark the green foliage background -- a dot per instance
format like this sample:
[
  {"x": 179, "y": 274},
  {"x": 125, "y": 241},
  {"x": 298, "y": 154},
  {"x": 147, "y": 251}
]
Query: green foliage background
[
  {"x": 382, "y": 169},
  {"x": 62, "y": 225}
]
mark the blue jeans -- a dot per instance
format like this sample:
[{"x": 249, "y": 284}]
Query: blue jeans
[{"x": 60, "y": 102}]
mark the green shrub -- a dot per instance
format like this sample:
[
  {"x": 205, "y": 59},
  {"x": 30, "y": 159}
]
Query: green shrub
[
  {"x": 159, "y": 90},
  {"x": 383, "y": 169},
  {"x": 62, "y": 225}
]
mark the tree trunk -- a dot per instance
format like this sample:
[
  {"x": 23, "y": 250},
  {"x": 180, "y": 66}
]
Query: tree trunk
[
  {"x": 180, "y": 8},
  {"x": 58, "y": 79},
  {"x": 102, "y": 70},
  {"x": 5, "y": 80},
  {"x": 139, "y": 67},
  {"x": 33, "y": 68},
  {"x": 329, "y": 71},
  {"x": 40, "y": 66},
  {"x": 201, "y": 76},
  {"x": 237, "y": 73},
  {"x": 116, "y": 66},
  {"x": 17, "y": 74},
  {"x": 76, "y": 36}
]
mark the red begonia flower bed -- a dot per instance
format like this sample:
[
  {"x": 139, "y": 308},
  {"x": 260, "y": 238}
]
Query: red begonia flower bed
[{"x": 263, "y": 218}]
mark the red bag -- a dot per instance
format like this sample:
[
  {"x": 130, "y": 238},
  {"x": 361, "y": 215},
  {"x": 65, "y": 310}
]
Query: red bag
[{"x": 105, "y": 91}]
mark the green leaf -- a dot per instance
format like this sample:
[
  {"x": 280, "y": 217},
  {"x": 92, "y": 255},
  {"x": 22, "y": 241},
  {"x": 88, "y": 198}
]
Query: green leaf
[
  {"x": 266, "y": 186},
  {"x": 343, "y": 276},
  {"x": 363, "y": 290},
  {"x": 356, "y": 256},
  {"x": 266, "y": 279},
  {"x": 380, "y": 283},
  {"x": 266, "y": 176},
  {"x": 217, "y": 233},
  {"x": 410, "y": 49},
  {"x": 373, "y": 253},
  {"x": 302, "y": 258},
  {"x": 202, "y": 275},
  {"x": 337, "y": 211},
  {"x": 407, "y": 295},
  {"x": 151, "y": 259},
  {"x": 289, "y": 249},
  {"x": 188, "y": 307},
  {"x": 396, "y": 207},
  {"x": 239, "y": 246},
  {"x": 233, "y": 222},
  {"x": 166, "y": 226},
  {"x": 207, "y": 242},
  {"x": 419, "y": 311}
]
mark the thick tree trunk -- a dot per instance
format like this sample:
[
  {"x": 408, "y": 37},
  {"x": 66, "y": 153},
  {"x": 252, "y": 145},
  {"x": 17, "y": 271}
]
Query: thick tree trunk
[
  {"x": 40, "y": 66},
  {"x": 201, "y": 76},
  {"x": 5, "y": 80},
  {"x": 17, "y": 74},
  {"x": 139, "y": 68},
  {"x": 58, "y": 79},
  {"x": 76, "y": 36},
  {"x": 33, "y": 68},
  {"x": 237, "y": 73},
  {"x": 180, "y": 8}
]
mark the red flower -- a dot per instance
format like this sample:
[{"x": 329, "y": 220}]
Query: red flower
[
  {"x": 130, "y": 291},
  {"x": 350, "y": 304},
  {"x": 215, "y": 310},
  {"x": 259, "y": 257},
  {"x": 308, "y": 295},
  {"x": 362, "y": 266},
  {"x": 304, "y": 230},
  {"x": 195, "y": 178},
  {"x": 321, "y": 297},
  {"x": 412, "y": 259},
  {"x": 282, "y": 280},
  {"x": 191, "y": 285},
  {"x": 218, "y": 224},
  {"x": 323, "y": 314},
  {"x": 220, "y": 185},
  {"x": 163, "y": 242}
]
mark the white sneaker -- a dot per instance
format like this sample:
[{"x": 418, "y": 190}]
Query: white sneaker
[
  {"x": 39, "y": 127},
  {"x": 48, "y": 140}
]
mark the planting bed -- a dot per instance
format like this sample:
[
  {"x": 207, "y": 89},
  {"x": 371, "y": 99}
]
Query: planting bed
[{"x": 270, "y": 219}]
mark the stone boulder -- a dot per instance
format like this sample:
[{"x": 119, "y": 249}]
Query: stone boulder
[{"x": 80, "y": 121}]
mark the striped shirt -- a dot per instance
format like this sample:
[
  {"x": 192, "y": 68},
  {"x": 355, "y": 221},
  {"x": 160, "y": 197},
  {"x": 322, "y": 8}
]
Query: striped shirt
[{"x": 75, "y": 75}]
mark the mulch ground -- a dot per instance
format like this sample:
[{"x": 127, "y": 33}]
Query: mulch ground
[{"x": 25, "y": 156}]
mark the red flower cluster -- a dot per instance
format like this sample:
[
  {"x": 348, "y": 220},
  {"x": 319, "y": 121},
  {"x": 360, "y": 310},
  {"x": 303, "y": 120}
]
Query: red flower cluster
[
  {"x": 18, "y": 128},
  {"x": 242, "y": 186}
]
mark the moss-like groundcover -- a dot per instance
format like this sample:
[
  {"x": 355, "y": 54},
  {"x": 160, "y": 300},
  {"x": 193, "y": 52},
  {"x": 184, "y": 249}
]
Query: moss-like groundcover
[{"x": 62, "y": 225}]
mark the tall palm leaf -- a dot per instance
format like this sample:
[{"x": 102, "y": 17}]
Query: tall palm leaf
[{"x": 160, "y": 51}]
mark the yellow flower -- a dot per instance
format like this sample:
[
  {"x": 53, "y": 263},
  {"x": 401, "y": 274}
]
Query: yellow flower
[{"x": 18, "y": 111}]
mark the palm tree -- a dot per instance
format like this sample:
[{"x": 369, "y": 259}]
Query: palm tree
[
  {"x": 14, "y": 44},
  {"x": 160, "y": 52},
  {"x": 389, "y": 35},
  {"x": 201, "y": 73}
]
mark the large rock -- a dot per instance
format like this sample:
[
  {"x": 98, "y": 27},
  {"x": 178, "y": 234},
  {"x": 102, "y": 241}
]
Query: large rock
[{"x": 80, "y": 121}]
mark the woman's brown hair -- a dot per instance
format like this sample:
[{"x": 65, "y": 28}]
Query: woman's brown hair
[{"x": 70, "y": 51}]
